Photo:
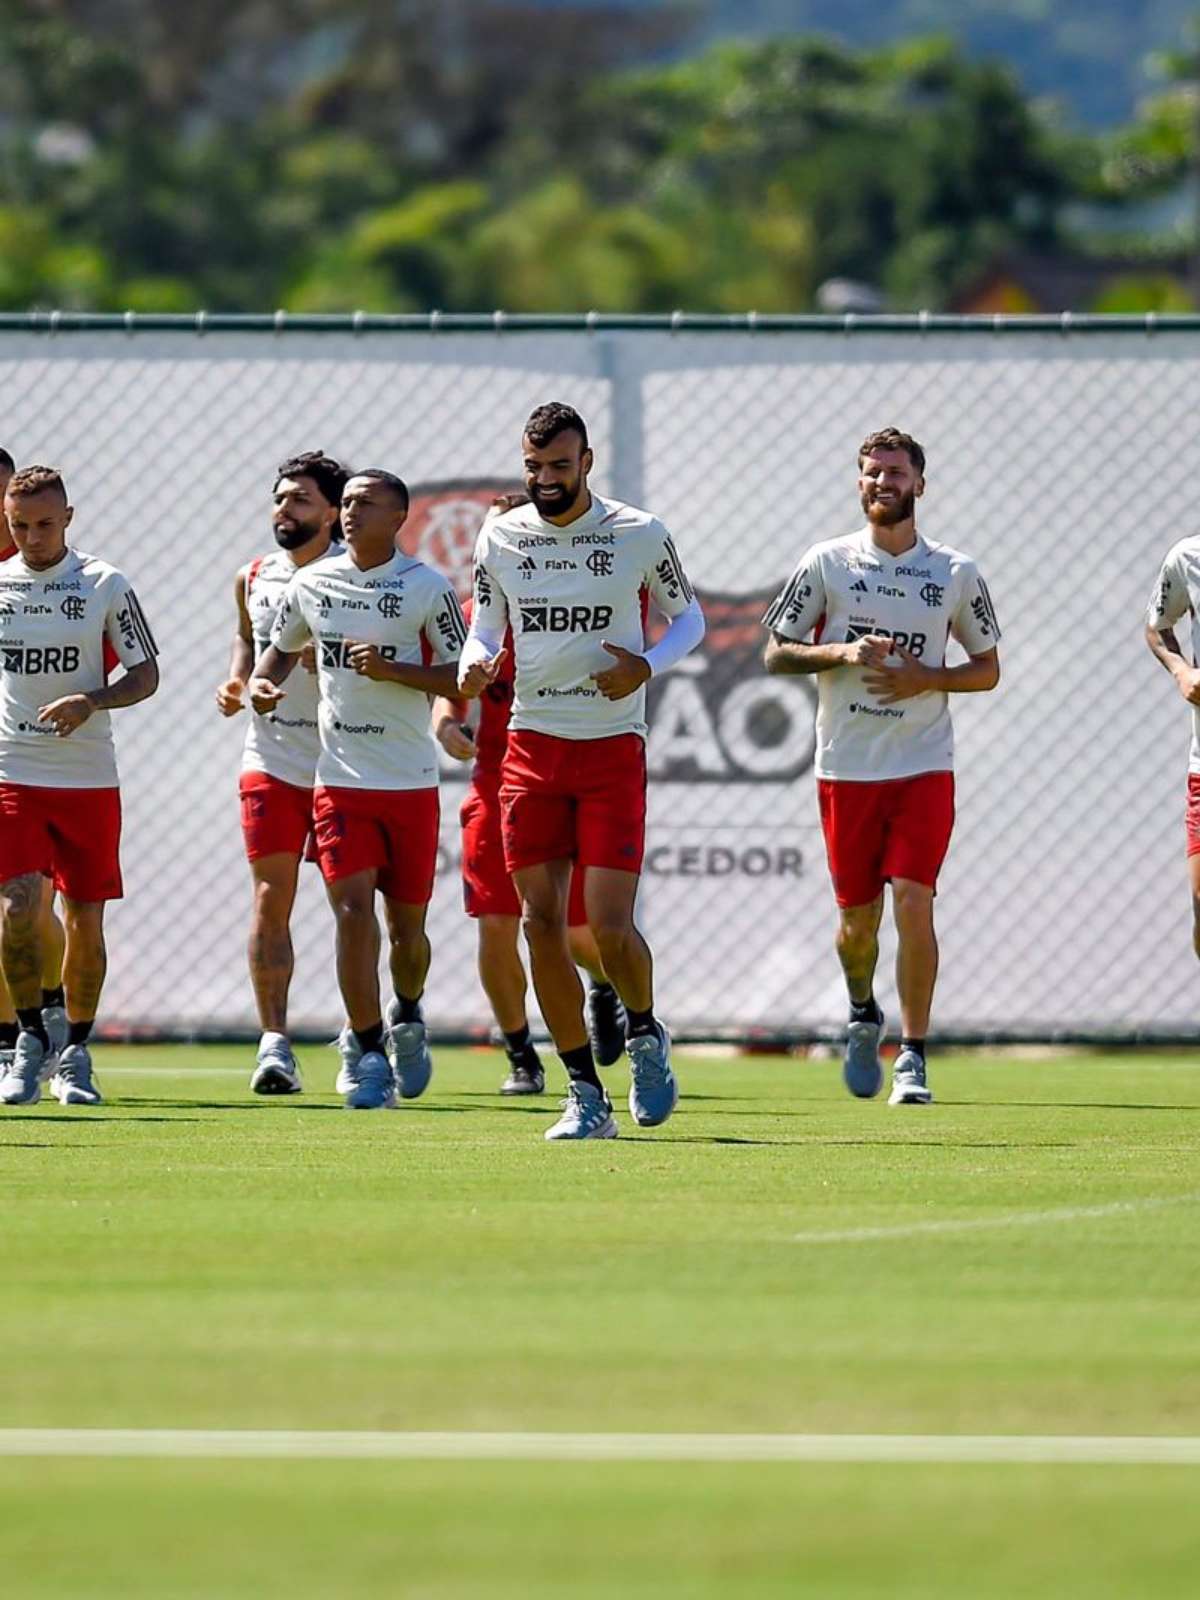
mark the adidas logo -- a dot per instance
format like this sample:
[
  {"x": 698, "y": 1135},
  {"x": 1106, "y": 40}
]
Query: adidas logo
[
  {"x": 527, "y": 565},
  {"x": 860, "y": 587}
]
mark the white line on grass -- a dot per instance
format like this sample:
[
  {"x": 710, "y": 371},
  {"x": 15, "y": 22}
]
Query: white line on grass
[
  {"x": 955, "y": 1449},
  {"x": 1005, "y": 1219}
]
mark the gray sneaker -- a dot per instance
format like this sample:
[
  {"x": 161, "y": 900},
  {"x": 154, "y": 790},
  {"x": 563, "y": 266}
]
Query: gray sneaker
[
  {"x": 587, "y": 1114},
  {"x": 605, "y": 1018},
  {"x": 861, "y": 1066},
  {"x": 653, "y": 1091},
  {"x": 408, "y": 1051},
  {"x": 277, "y": 1071},
  {"x": 73, "y": 1083},
  {"x": 348, "y": 1047},
  {"x": 369, "y": 1082},
  {"x": 58, "y": 1029},
  {"x": 22, "y": 1084},
  {"x": 908, "y": 1081},
  {"x": 525, "y": 1075}
]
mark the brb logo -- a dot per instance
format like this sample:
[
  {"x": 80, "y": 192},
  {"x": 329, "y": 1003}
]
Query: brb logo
[
  {"x": 336, "y": 653},
  {"x": 565, "y": 619},
  {"x": 30, "y": 660},
  {"x": 914, "y": 643}
]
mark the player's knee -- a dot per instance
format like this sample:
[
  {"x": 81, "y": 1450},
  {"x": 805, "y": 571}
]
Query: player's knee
[
  {"x": 612, "y": 935},
  {"x": 541, "y": 920},
  {"x": 912, "y": 904}
]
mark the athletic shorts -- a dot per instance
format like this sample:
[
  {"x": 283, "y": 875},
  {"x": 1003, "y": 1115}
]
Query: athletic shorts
[
  {"x": 277, "y": 817},
  {"x": 488, "y": 889},
  {"x": 875, "y": 832},
  {"x": 1193, "y": 814},
  {"x": 391, "y": 831},
  {"x": 578, "y": 798},
  {"x": 71, "y": 836}
]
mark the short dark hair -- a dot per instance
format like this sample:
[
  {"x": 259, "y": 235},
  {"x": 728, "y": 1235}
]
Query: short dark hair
[
  {"x": 7, "y": 464},
  {"x": 893, "y": 439},
  {"x": 381, "y": 475},
  {"x": 548, "y": 421},
  {"x": 328, "y": 475},
  {"x": 37, "y": 480}
]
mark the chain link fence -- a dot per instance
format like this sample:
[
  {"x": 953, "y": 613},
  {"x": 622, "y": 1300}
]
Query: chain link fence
[{"x": 1061, "y": 457}]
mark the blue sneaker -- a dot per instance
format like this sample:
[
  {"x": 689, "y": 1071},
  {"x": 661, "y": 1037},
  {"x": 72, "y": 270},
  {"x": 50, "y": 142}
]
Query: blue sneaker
[
  {"x": 653, "y": 1091},
  {"x": 31, "y": 1064},
  {"x": 408, "y": 1051},
  {"x": 908, "y": 1081},
  {"x": 349, "y": 1052},
  {"x": 587, "y": 1114},
  {"x": 369, "y": 1082},
  {"x": 861, "y": 1066}
]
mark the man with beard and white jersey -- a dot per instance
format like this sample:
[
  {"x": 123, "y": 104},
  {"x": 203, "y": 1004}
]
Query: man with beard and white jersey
[
  {"x": 388, "y": 631},
  {"x": 1176, "y": 595},
  {"x": 567, "y": 574},
  {"x": 279, "y": 758},
  {"x": 60, "y": 807},
  {"x": 880, "y": 606},
  {"x": 54, "y": 1013}
]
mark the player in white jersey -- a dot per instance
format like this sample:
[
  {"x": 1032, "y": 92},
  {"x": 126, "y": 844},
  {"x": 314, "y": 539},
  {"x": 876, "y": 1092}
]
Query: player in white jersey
[
  {"x": 872, "y": 613},
  {"x": 1177, "y": 595},
  {"x": 60, "y": 807},
  {"x": 567, "y": 574},
  {"x": 388, "y": 631},
  {"x": 279, "y": 758},
  {"x": 54, "y": 1014}
]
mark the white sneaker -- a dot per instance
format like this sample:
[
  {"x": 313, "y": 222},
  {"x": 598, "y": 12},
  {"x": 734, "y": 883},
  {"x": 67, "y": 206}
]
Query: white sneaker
[
  {"x": 587, "y": 1114},
  {"x": 58, "y": 1029},
  {"x": 370, "y": 1084},
  {"x": 22, "y": 1083},
  {"x": 909, "y": 1087},
  {"x": 278, "y": 1071},
  {"x": 73, "y": 1083}
]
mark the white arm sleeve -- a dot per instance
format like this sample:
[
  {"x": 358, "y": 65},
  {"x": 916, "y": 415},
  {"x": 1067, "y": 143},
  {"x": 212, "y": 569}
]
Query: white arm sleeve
[{"x": 683, "y": 634}]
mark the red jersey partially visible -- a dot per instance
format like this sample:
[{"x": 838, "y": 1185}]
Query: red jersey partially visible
[{"x": 495, "y": 709}]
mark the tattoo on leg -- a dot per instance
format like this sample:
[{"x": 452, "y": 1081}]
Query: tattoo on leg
[{"x": 20, "y": 939}]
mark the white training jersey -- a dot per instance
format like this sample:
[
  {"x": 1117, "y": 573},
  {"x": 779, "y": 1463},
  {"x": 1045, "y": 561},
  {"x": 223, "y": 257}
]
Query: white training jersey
[
  {"x": 846, "y": 588},
  {"x": 1176, "y": 593},
  {"x": 54, "y": 626},
  {"x": 373, "y": 735},
  {"x": 565, "y": 590},
  {"x": 285, "y": 743}
]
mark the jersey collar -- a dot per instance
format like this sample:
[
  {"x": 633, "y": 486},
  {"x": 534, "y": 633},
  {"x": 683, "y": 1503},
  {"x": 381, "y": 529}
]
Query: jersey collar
[{"x": 908, "y": 557}]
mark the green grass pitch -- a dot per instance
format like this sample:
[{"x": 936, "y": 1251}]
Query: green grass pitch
[{"x": 1023, "y": 1257}]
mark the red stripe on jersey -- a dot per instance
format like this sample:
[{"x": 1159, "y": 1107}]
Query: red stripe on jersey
[
  {"x": 252, "y": 572},
  {"x": 819, "y": 629}
]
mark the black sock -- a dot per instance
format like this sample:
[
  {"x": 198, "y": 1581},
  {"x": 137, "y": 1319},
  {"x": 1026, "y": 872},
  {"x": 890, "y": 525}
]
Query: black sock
[
  {"x": 78, "y": 1032},
  {"x": 8, "y": 1034},
  {"x": 410, "y": 1010},
  {"x": 53, "y": 997},
  {"x": 640, "y": 1022},
  {"x": 580, "y": 1066},
  {"x": 917, "y": 1046},
  {"x": 865, "y": 1010},
  {"x": 518, "y": 1043},
  {"x": 600, "y": 986},
  {"x": 370, "y": 1038},
  {"x": 30, "y": 1019}
]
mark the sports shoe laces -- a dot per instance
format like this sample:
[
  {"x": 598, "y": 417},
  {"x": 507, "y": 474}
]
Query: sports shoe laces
[
  {"x": 74, "y": 1072},
  {"x": 647, "y": 1059}
]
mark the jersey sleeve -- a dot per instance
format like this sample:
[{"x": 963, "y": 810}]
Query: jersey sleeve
[
  {"x": 290, "y": 631},
  {"x": 666, "y": 582},
  {"x": 1169, "y": 600},
  {"x": 799, "y": 606},
  {"x": 974, "y": 623},
  {"x": 126, "y": 632},
  {"x": 445, "y": 627}
]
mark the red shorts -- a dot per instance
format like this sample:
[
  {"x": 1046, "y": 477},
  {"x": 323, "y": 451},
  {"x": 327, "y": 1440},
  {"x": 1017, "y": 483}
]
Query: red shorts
[
  {"x": 72, "y": 836},
  {"x": 277, "y": 817},
  {"x": 875, "y": 832},
  {"x": 578, "y": 798},
  {"x": 1193, "y": 814},
  {"x": 393, "y": 831},
  {"x": 488, "y": 889}
]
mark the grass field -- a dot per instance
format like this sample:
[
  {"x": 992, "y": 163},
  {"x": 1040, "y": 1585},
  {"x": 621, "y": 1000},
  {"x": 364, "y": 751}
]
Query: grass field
[{"x": 1021, "y": 1258}]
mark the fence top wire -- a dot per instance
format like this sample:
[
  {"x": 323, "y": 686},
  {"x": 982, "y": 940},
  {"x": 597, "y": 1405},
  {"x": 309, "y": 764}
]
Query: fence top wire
[{"x": 504, "y": 322}]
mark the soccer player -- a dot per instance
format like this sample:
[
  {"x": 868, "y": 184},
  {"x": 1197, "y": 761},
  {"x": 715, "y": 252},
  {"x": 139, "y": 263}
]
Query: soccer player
[
  {"x": 279, "y": 758},
  {"x": 1177, "y": 595},
  {"x": 872, "y": 613},
  {"x": 54, "y": 1014},
  {"x": 490, "y": 895},
  {"x": 566, "y": 574},
  {"x": 388, "y": 631},
  {"x": 60, "y": 807}
]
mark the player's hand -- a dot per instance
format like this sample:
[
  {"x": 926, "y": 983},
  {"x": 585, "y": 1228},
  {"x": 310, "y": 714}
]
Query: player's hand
[
  {"x": 264, "y": 695},
  {"x": 869, "y": 651},
  {"x": 626, "y": 675},
  {"x": 907, "y": 678},
  {"x": 308, "y": 658},
  {"x": 67, "y": 714},
  {"x": 229, "y": 697},
  {"x": 455, "y": 739},
  {"x": 473, "y": 680},
  {"x": 367, "y": 661},
  {"x": 1188, "y": 680}
]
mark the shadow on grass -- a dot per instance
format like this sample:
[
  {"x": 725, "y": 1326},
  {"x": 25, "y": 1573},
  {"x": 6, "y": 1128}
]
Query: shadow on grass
[{"x": 64, "y": 1119}]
